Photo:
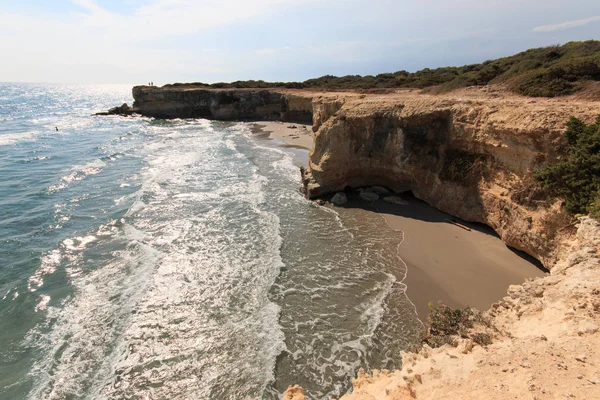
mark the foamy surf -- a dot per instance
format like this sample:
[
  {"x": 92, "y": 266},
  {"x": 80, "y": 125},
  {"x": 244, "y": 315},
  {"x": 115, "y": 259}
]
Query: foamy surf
[{"x": 179, "y": 260}]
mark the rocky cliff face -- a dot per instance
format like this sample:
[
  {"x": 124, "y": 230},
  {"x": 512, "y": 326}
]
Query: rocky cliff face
[
  {"x": 242, "y": 104},
  {"x": 546, "y": 342},
  {"x": 471, "y": 155}
]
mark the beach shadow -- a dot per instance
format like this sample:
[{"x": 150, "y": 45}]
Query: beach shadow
[{"x": 420, "y": 210}]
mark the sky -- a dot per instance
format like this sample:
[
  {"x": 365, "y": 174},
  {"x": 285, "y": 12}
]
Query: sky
[{"x": 166, "y": 41}]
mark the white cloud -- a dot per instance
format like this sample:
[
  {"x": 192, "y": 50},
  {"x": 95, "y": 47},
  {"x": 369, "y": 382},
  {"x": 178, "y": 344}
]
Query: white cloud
[
  {"x": 93, "y": 44},
  {"x": 566, "y": 25},
  {"x": 267, "y": 52}
]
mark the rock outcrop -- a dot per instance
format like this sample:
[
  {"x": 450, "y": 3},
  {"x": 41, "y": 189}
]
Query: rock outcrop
[
  {"x": 123, "y": 110},
  {"x": 225, "y": 104},
  {"x": 470, "y": 154},
  {"x": 547, "y": 343}
]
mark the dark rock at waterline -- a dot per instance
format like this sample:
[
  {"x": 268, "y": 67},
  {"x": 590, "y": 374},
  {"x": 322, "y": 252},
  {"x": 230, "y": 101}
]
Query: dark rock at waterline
[{"x": 123, "y": 109}]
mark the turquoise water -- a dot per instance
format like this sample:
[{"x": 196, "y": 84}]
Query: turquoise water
[{"x": 178, "y": 259}]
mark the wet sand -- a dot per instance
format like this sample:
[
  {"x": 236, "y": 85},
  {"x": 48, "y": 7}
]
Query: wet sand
[
  {"x": 450, "y": 264},
  {"x": 300, "y": 137},
  {"x": 445, "y": 262}
]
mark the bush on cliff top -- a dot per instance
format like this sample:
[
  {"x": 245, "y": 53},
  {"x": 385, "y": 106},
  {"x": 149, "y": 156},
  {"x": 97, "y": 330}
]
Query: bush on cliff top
[
  {"x": 549, "y": 71},
  {"x": 445, "y": 324},
  {"x": 576, "y": 178}
]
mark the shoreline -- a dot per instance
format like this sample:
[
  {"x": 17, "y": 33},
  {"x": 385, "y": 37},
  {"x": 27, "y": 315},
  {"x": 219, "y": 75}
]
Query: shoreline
[
  {"x": 446, "y": 263},
  {"x": 300, "y": 137}
]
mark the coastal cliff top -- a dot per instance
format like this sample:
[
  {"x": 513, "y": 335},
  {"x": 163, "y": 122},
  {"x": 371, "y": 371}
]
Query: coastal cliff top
[
  {"x": 495, "y": 104},
  {"x": 551, "y": 71}
]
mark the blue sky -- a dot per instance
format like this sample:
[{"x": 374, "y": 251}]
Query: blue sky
[{"x": 136, "y": 41}]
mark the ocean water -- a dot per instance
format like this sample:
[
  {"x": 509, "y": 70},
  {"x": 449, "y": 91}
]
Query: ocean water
[{"x": 148, "y": 259}]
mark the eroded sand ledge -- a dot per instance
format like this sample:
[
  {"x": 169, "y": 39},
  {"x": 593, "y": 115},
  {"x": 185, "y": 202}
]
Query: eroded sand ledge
[{"x": 547, "y": 339}]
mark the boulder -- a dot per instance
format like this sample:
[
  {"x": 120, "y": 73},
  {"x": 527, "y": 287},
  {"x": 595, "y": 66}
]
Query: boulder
[
  {"x": 368, "y": 196},
  {"x": 379, "y": 190},
  {"x": 294, "y": 393},
  {"x": 338, "y": 199},
  {"x": 395, "y": 200},
  {"x": 123, "y": 109}
]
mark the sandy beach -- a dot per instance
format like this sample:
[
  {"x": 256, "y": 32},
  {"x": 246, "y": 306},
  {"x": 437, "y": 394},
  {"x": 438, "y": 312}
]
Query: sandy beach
[
  {"x": 301, "y": 136},
  {"x": 445, "y": 262},
  {"x": 450, "y": 264}
]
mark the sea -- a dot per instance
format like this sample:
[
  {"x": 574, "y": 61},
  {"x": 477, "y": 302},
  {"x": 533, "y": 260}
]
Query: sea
[{"x": 178, "y": 259}]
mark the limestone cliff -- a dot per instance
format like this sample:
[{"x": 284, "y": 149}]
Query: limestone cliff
[
  {"x": 546, "y": 345},
  {"x": 470, "y": 154},
  {"x": 234, "y": 104}
]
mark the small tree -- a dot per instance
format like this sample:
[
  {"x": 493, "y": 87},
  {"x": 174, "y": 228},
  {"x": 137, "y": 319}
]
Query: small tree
[{"x": 577, "y": 177}]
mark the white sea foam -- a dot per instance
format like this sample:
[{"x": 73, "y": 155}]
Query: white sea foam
[
  {"x": 48, "y": 264},
  {"x": 12, "y": 138},
  {"x": 200, "y": 257},
  {"x": 78, "y": 173}
]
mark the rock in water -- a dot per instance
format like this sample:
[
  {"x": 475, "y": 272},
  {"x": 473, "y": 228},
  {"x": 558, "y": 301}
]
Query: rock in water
[
  {"x": 369, "y": 196},
  {"x": 294, "y": 393},
  {"x": 338, "y": 199},
  {"x": 123, "y": 109},
  {"x": 379, "y": 190},
  {"x": 395, "y": 200}
]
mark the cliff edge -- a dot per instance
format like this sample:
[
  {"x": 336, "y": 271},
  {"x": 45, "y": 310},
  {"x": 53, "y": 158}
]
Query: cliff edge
[
  {"x": 546, "y": 345},
  {"x": 471, "y": 153}
]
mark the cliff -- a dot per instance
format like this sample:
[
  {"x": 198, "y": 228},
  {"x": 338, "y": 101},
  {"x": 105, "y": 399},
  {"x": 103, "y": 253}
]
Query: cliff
[
  {"x": 470, "y": 153},
  {"x": 546, "y": 343},
  {"x": 236, "y": 104}
]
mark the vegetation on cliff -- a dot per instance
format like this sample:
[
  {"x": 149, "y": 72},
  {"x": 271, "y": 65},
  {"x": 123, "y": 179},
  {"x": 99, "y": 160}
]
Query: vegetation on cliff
[
  {"x": 445, "y": 325},
  {"x": 576, "y": 178},
  {"x": 543, "y": 72}
]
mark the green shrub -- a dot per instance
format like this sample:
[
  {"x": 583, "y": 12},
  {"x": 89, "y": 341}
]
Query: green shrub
[
  {"x": 594, "y": 208},
  {"x": 482, "y": 338},
  {"x": 576, "y": 178},
  {"x": 445, "y": 323},
  {"x": 460, "y": 166},
  {"x": 548, "y": 71}
]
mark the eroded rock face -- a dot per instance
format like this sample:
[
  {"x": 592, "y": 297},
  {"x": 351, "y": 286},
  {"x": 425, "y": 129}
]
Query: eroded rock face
[
  {"x": 294, "y": 393},
  {"x": 546, "y": 343},
  {"x": 465, "y": 158},
  {"x": 225, "y": 104},
  {"x": 123, "y": 110}
]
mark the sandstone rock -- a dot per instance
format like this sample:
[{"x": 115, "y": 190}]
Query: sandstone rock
[
  {"x": 123, "y": 109},
  {"x": 395, "y": 200},
  {"x": 339, "y": 199},
  {"x": 368, "y": 196},
  {"x": 410, "y": 142},
  {"x": 379, "y": 190},
  {"x": 231, "y": 104},
  {"x": 294, "y": 393}
]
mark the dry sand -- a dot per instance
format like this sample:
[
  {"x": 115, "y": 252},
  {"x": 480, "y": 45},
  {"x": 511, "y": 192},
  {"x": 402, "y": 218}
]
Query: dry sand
[
  {"x": 445, "y": 262},
  {"x": 450, "y": 264},
  {"x": 300, "y": 137}
]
